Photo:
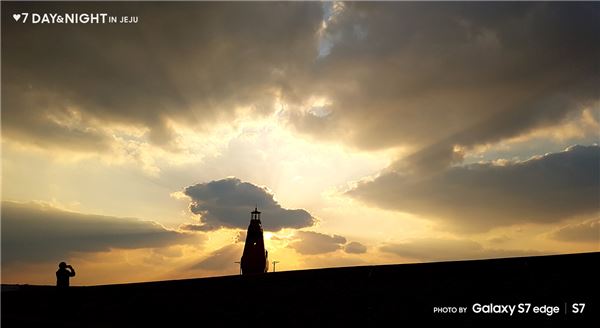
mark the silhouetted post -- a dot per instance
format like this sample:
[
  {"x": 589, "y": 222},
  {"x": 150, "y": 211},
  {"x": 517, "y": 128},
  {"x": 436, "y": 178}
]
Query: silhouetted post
[
  {"x": 240, "y": 263},
  {"x": 274, "y": 262}
]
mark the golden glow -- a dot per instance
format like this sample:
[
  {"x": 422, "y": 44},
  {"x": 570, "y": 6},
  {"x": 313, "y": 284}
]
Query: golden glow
[{"x": 147, "y": 182}]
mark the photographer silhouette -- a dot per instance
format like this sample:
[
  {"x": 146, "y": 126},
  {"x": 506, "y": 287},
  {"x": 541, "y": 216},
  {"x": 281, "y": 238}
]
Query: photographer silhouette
[{"x": 63, "y": 275}]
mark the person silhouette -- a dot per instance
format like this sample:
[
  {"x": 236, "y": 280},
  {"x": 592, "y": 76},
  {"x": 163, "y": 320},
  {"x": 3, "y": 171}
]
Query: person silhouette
[{"x": 63, "y": 275}]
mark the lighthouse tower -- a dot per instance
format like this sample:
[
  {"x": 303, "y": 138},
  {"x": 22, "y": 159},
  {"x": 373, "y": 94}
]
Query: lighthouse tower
[{"x": 255, "y": 257}]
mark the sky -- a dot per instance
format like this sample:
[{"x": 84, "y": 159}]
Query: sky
[{"x": 366, "y": 133}]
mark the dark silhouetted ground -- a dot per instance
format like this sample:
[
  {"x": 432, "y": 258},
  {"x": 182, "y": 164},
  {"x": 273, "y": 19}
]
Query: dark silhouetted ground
[{"x": 372, "y": 296}]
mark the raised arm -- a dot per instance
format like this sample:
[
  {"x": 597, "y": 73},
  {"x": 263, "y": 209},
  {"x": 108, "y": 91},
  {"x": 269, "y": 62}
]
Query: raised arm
[{"x": 72, "y": 272}]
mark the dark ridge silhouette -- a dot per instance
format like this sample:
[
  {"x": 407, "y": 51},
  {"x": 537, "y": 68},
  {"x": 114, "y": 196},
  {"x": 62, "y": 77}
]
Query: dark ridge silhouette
[
  {"x": 255, "y": 258},
  {"x": 371, "y": 296}
]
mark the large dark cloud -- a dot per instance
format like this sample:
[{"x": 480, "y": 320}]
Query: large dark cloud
[
  {"x": 228, "y": 203},
  {"x": 424, "y": 75},
  {"x": 34, "y": 233},
  {"x": 583, "y": 232},
  {"x": 430, "y": 76},
  {"x": 435, "y": 249},
  {"x": 311, "y": 243},
  {"x": 189, "y": 63},
  {"x": 478, "y": 197}
]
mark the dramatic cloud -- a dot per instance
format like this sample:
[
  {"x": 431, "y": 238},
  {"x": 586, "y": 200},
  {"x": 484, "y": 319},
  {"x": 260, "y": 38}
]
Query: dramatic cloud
[
  {"x": 478, "y": 197},
  {"x": 311, "y": 243},
  {"x": 190, "y": 64},
  {"x": 355, "y": 248},
  {"x": 433, "y": 249},
  {"x": 432, "y": 76},
  {"x": 428, "y": 76},
  {"x": 228, "y": 203},
  {"x": 221, "y": 259},
  {"x": 584, "y": 232},
  {"x": 33, "y": 233}
]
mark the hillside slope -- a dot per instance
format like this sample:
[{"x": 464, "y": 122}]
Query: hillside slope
[{"x": 370, "y": 296}]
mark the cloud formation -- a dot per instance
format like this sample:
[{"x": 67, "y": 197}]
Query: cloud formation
[
  {"x": 355, "y": 248},
  {"x": 427, "y": 76},
  {"x": 195, "y": 227},
  {"x": 478, "y": 197},
  {"x": 312, "y": 243},
  {"x": 583, "y": 232},
  {"x": 227, "y": 203},
  {"x": 35, "y": 233},
  {"x": 432, "y": 76},
  {"x": 191, "y": 64},
  {"x": 435, "y": 249}
]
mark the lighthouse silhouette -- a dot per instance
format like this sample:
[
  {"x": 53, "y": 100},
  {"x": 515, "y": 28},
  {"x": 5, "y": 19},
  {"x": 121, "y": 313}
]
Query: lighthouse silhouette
[{"x": 255, "y": 258}]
